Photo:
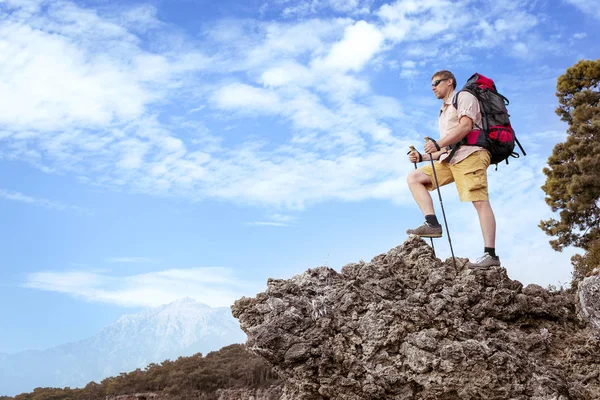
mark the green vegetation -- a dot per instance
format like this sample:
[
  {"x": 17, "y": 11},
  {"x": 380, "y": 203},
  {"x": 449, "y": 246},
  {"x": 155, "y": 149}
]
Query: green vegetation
[
  {"x": 194, "y": 377},
  {"x": 572, "y": 177}
]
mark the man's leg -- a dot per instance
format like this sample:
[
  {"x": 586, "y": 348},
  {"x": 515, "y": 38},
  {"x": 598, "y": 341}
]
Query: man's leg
[
  {"x": 487, "y": 222},
  {"x": 418, "y": 182},
  {"x": 471, "y": 181}
]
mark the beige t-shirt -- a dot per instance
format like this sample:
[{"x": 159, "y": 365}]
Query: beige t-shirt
[{"x": 468, "y": 105}]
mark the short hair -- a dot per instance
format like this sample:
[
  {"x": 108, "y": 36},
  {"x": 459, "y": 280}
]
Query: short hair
[{"x": 443, "y": 74}]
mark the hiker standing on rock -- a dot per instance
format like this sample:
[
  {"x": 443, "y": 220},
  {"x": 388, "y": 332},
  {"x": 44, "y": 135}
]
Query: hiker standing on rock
[{"x": 467, "y": 166}]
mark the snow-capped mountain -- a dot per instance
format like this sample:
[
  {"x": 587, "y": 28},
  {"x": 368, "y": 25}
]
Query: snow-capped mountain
[{"x": 181, "y": 328}]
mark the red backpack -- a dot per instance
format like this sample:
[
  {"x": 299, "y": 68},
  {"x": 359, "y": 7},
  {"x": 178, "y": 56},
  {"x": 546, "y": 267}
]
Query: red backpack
[{"x": 496, "y": 134}]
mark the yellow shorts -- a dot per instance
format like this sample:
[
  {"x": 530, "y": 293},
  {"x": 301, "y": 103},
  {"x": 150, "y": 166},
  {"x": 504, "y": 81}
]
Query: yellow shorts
[{"x": 469, "y": 174}]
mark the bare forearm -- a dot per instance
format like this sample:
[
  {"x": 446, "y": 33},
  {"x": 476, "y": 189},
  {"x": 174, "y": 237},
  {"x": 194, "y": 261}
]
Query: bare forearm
[
  {"x": 433, "y": 156},
  {"x": 457, "y": 133}
]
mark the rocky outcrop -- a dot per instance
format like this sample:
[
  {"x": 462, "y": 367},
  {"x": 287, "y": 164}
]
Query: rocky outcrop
[
  {"x": 138, "y": 396},
  {"x": 589, "y": 299},
  {"x": 272, "y": 393},
  {"x": 408, "y": 326}
]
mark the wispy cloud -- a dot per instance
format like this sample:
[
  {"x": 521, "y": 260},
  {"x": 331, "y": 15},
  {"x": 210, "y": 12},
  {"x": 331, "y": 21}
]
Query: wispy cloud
[
  {"x": 587, "y": 7},
  {"x": 41, "y": 202},
  {"x": 131, "y": 260},
  {"x": 360, "y": 43},
  {"x": 89, "y": 94},
  {"x": 278, "y": 220},
  {"x": 215, "y": 286},
  {"x": 304, "y": 8},
  {"x": 268, "y": 223}
]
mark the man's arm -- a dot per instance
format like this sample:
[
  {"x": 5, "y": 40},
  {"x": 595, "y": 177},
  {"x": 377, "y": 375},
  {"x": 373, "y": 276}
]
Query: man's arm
[
  {"x": 456, "y": 134},
  {"x": 433, "y": 156}
]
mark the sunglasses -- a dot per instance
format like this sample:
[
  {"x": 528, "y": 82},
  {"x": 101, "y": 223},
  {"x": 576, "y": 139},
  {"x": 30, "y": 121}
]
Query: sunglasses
[{"x": 437, "y": 82}]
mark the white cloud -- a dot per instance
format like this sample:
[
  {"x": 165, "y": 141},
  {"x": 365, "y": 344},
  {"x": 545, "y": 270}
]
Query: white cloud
[
  {"x": 309, "y": 7},
  {"x": 214, "y": 286},
  {"x": 585, "y": 6},
  {"x": 277, "y": 220},
  {"x": 305, "y": 177},
  {"x": 245, "y": 46},
  {"x": 506, "y": 29},
  {"x": 409, "y": 73},
  {"x": 361, "y": 41},
  {"x": 106, "y": 122},
  {"x": 454, "y": 27},
  {"x": 418, "y": 20},
  {"x": 41, "y": 202},
  {"x": 86, "y": 93},
  {"x": 288, "y": 73},
  {"x": 521, "y": 50},
  {"x": 246, "y": 98},
  {"x": 133, "y": 153},
  {"x": 268, "y": 223},
  {"x": 344, "y": 5},
  {"x": 73, "y": 68}
]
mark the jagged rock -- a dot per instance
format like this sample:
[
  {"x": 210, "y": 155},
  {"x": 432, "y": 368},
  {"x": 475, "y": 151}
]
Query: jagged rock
[
  {"x": 272, "y": 393},
  {"x": 138, "y": 396},
  {"x": 408, "y": 326},
  {"x": 589, "y": 300}
]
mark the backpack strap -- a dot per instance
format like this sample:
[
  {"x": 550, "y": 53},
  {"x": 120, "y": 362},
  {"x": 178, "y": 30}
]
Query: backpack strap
[
  {"x": 454, "y": 148},
  {"x": 481, "y": 110},
  {"x": 521, "y": 147}
]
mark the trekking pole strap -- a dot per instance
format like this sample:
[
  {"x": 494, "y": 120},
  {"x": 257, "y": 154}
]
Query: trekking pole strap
[
  {"x": 437, "y": 146},
  {"x": 412, "y": 148}
]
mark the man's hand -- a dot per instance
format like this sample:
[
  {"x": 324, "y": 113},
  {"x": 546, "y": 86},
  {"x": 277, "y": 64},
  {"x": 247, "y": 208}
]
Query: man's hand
[
  {"x": 414, "y": 157},
  {"x": 430, "y": 147}
]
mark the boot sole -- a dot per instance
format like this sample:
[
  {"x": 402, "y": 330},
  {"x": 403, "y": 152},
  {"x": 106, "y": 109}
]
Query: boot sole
[
  {"x": 471, "y": 266},
  {"x": 428, "y": 235}
]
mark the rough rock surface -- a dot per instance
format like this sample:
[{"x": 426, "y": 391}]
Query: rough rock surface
[
  {"x": 272, "y": 393},
  {"x": 589, "y": 299},
  {"x": 408, "y": 326},
  {"x": 138, "y": 396}
]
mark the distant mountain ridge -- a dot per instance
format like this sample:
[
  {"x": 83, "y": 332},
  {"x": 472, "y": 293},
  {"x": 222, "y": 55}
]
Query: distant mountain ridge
[{"x": 181, "y": 328}]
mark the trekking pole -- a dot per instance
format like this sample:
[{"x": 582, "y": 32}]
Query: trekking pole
[
  {"x": 412, "y": 148},
  {"x": 441, "y": 202}
]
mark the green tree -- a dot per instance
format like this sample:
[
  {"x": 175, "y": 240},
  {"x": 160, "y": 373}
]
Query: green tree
[
  {"x": 573, "y": 174},
  {"x": 187, "y": 378}
]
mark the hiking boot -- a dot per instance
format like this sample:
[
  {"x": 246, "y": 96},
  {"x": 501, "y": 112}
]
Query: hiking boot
[
  {"x": 485, "y": 261},
  {"x": 426, "y": 230}
]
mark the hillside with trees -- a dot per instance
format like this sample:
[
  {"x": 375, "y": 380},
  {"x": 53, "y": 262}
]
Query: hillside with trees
[
  {"x": 194, "y": 377},
  {"x": 572, "y": 186}
]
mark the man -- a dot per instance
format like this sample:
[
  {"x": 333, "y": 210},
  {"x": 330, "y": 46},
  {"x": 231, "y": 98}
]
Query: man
[{"x": 467, "y": 167}]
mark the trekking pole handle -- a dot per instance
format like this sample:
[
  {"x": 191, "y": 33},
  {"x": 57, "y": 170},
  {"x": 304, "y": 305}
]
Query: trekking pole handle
[
  {"x": 412, "y": 148},
  {"x": 437, "y": 146}
]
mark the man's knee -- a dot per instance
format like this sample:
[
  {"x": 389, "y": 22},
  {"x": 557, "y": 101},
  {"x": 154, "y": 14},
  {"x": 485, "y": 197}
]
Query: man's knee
[
  {"x": 417, "y": 177},
  {"x": 481, "y": 205}
]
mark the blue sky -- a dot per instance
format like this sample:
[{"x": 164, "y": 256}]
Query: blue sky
[{"x": 151, "y": 151}]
